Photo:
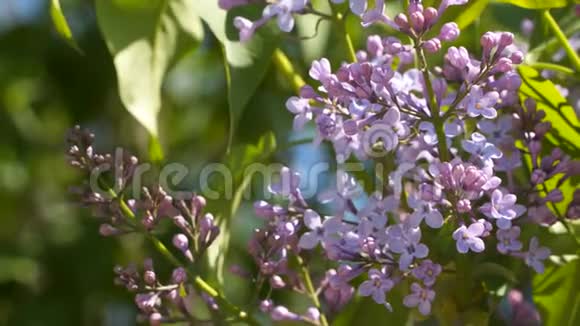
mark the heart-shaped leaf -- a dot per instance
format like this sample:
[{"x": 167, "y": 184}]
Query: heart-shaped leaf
[{"x": 145, "y": 38}]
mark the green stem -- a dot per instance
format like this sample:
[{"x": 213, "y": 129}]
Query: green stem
[
  {"x": 311, "y": 291},
  {"x": 552, "y": 66},
  {"x": 562, "y": 39},
  {"x": 285, "y": 66},
  {"x": 436, "y": 119},
  {"x": 199, "y": 283}
]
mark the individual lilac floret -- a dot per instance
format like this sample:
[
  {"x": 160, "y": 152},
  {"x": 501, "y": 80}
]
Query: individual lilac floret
[
  {"x": 283, "y": 10},
  {"x": 507, "y": 240},
  {"x": 536, "y": 255},
  {"x": 301, "y": 108},
  {"x": 376, "y": 286},
  {"x": 320, "y": 231},
  {"x": 468, "y": 238},
  {"x": 503, "y": 208},
  {"x": 424, "y": 210},
  {"x": 480, "y": 147},
  {"x": 427, "y": 272},
  {"x": 481, "y": 103},
  {"x": 407, "y": 244},
  {"x": 421, "y": 298}
]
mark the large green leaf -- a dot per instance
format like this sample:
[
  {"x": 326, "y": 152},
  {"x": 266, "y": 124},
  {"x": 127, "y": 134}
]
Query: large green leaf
[
  {"x": 145, "y": 38},
  {"x": 557, "y": 293},
  {"x": 565, "y": 124},
  {"x": 537, "y": 4},
  {"x": 246, "y": 63},
  {"x": 61, "y": 25}
]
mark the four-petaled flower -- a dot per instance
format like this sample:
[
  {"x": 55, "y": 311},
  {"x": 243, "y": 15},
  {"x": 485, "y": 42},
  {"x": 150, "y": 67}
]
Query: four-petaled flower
[
  {"x": 421, "y": 298},
  {"x": 376, "y": 286},
  {"x": 536, "y": 255},
  {"x": 507, "y": 240},
  {"x": 427, "y": 271},
  {"x": 424, "y": 210},
  {"x": 408, "y": 246},
  {"x": 478, "y": 146},
  {"x": 319, "y": 231},
  {"x": 480, "y": 103},
  {"x": 503, "y": 208},
  {"x": 468, "y": 238}
]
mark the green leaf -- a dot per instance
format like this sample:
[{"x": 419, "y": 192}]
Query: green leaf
[
  {"x": 238, "y": 160},
  {"x": 61, "y": 25},
  {"x": 145, "y": 39},
  {"x": 565, "y": 124},
  {"x": 246, "y": 63},
  {"x": 557, "y": 294},
  {"x": 470, "y": 14},
  {"x": 537, "y": 4}
]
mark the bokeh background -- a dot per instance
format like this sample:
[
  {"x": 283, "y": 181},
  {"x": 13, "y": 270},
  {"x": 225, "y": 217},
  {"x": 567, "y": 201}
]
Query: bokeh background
[{"x": 54, "y": 267}]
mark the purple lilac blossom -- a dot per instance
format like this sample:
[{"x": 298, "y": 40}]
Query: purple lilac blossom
[
  {"x": 468, "y": 238},
  {"x": 420, "y": 297}
]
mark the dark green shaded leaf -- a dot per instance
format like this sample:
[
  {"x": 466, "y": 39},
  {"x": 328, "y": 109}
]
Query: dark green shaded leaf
[
  {"x": 145, "y": 39},
  {"x": 246, "y": 63}
]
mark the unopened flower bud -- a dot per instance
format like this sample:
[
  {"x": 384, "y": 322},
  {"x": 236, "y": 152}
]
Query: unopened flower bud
[
  {"x": 375, "y": 45},
  {"x": 449, "y": 32},
  {"x": 504, "y": 65},
  {"x": 181, "y": 242},
  {"x": 463, "y": 206},
  {"x": 505, "y": 39},
  {"x": 280, "y": 313},
  {"x": 312, "y": 314},
  {"x": 266, "y": 305},
  {"x": 402, "y": 21},
  {"x": 417, "y": 21},
  {"x": 517, "y": 57},
  {"x": 197, "y": 205},
  {"x": 181, "y": 223},
  {"x": 277, "y": 282},
  {"x": 179, "y": 275},
  {"x": 432, "y": 46},
  {"x": 431, "y": 16},
  {"x": 150, "y": 278},
  {"x": 538, "y": 176}
]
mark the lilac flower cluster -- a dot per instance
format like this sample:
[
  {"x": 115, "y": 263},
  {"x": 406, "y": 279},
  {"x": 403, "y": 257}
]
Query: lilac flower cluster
[
  {"x": 119, "y": 215},
  {"x": 445, "y": 172},
  {"x": 154, "y": 299}
]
